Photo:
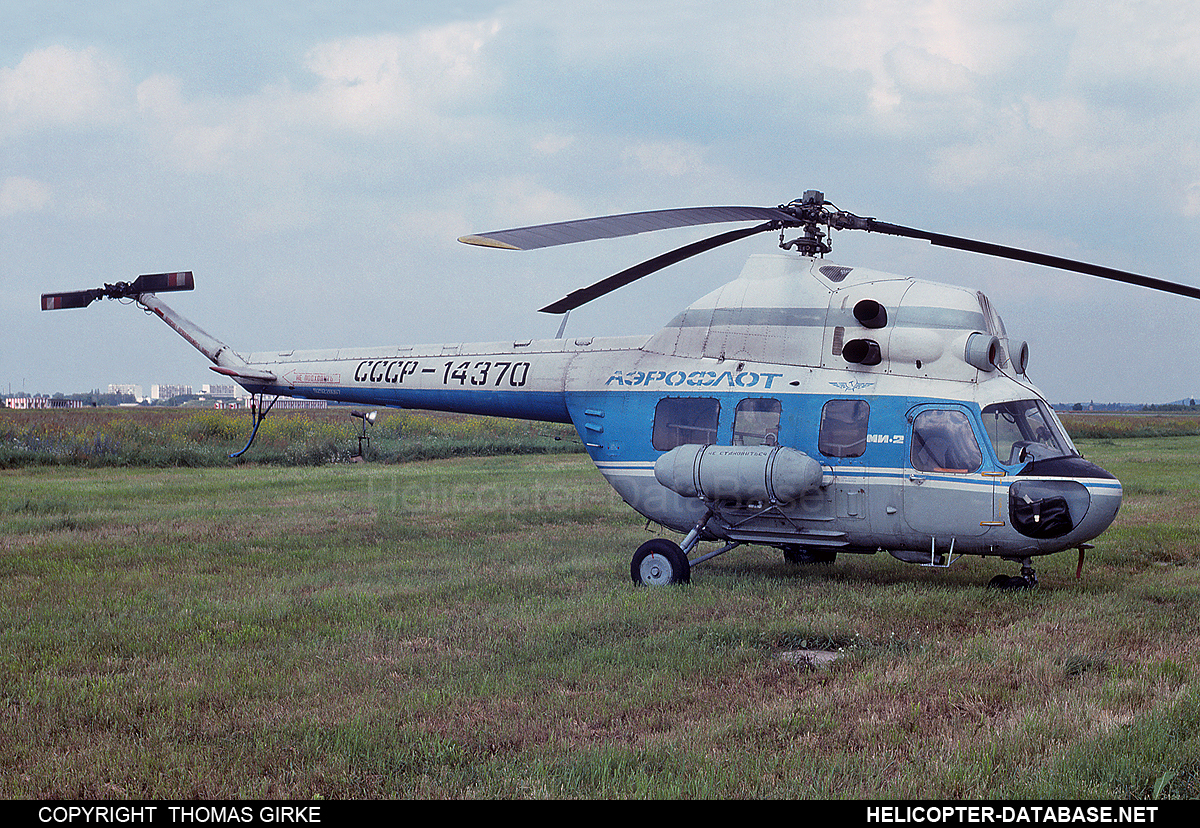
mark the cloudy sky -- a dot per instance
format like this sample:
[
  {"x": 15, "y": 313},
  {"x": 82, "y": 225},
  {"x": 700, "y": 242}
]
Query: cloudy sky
[{"x": 314, "y": 165}]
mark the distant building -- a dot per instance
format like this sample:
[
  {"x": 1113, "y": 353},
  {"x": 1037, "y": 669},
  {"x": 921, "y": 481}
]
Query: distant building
[
  {"x": 42, "y": 402},
  {"x": 134, "y": 391},
  {"x": 218, "y": 390},
  {"x": 166, "y": 392}
]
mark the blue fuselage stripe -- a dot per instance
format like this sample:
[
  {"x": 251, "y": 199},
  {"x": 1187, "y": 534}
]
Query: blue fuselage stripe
[{"x": 547, "y": 406}]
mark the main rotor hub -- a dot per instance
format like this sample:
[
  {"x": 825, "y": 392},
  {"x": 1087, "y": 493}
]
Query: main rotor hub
[{"x": 810, "y": 213}]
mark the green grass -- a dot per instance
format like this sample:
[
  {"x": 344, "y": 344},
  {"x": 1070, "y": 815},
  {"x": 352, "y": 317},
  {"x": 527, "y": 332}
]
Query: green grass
[
  {"x": 466, "y": 629},
  {"x": 197, "y": 437},
  {"x": 1101, "y": 426}
]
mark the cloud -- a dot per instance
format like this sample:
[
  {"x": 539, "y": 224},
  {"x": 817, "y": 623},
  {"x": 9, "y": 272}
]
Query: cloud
[
  {"x": 22, "y": 195},
  {"x": 57, "y": 86},
  {"x": 666, "y": 158},
  {"x": 352, "y": 118},
  {"x": 194, "y": 135},
  {"x": 397, "y": 82},
  {"x": 377, "y": 89},
  {"x": 1145, "y": 47},
  {"x": 1191, "y": 200}
]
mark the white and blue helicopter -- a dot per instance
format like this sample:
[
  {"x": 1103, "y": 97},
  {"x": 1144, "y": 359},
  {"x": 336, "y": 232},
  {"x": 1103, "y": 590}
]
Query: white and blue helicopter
[{"x": 813, "y": 407}]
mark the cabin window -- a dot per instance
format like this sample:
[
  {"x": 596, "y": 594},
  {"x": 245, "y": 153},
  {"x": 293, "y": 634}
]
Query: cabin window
[
  {"x": 844, "y": 428},
  {"x": 756, "y": 422},
  {"x": 943, "y": 441},
  {"x": 681, "y": 421}
]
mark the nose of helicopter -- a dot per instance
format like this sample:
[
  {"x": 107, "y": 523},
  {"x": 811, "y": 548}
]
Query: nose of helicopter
[
  {"x": 1068, "y": 501},
  {"x": 1106, "y": 494}
]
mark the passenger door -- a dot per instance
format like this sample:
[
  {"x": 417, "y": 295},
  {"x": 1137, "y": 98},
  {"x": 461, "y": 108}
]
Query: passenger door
[{"x": 948, "y": 482}]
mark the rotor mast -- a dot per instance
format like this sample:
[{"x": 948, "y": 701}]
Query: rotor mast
[{"x": 810, "y": 211}]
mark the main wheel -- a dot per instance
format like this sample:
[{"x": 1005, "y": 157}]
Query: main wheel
[{"x": 660, "y": 562}]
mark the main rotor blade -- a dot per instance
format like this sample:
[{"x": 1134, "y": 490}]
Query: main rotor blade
[
  {"x": 1030, "y": 256},
  {"x": 617, "y": 280},
  {"x": 626, "y": 224}
]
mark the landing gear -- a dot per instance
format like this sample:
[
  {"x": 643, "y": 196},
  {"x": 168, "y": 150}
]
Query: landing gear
[
  {"x": 257, "y": 415},
  {"x": 1026, "y": 580},
  {"x": 659, "y": 562}
]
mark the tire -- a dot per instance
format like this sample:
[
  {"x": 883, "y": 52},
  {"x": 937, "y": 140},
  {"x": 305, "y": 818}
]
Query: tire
[
  {"x": 1007, "y": 582},
  {"x": 660, "y": 562}
]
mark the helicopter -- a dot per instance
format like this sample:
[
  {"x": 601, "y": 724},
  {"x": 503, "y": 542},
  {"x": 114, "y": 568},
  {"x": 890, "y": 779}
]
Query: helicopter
[{"x": 813, "y": 407}]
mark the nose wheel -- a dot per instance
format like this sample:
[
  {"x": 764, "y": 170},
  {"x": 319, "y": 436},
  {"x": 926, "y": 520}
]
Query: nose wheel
[
  {"x": 660, "y": 562},
  {"x": 1026, "y": 580}
]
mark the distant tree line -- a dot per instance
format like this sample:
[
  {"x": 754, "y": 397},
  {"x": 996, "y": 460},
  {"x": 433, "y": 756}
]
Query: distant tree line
[{"x": 1187, "y": 406}]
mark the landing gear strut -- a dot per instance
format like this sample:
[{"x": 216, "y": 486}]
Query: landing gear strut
[{"x": 257, "y": 415}]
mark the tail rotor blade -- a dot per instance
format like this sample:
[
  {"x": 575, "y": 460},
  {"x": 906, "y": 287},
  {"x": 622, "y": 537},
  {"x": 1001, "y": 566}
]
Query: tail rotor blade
[
  {"x": 163, "y": 282},
  {"x": 73, "y": 299},
  {"x": 149, "y": 283}
]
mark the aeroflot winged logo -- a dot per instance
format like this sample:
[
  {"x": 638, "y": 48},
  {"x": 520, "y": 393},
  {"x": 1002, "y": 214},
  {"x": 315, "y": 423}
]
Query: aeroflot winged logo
[{"x": 853, "y": 385}]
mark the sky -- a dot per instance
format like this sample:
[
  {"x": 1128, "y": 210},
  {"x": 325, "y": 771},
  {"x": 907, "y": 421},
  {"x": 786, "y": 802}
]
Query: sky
[{"x": 314, "y": 163}]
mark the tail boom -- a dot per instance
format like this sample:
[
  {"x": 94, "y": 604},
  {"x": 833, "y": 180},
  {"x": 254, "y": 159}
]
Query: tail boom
[{"x": 525, "y": 380}]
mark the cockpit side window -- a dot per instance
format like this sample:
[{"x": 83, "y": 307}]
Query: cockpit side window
[
  {"x": 943, "y": 441},
  {"x": 1025, "y": 430}
]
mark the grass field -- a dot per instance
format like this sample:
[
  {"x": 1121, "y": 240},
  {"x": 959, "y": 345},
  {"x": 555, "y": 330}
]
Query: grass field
[
  {"x": 467, "y": 628},
  {"x": 192, "y": 437}
]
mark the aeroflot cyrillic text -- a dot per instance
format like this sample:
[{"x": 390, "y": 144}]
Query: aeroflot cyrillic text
[{"x": 695, "y": 379}]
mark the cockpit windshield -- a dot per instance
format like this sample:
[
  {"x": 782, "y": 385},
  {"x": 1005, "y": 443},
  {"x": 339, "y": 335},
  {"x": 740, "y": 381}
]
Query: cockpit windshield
[{"x": 1025, "y": 430}]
